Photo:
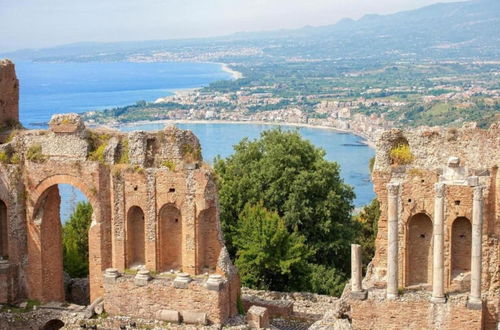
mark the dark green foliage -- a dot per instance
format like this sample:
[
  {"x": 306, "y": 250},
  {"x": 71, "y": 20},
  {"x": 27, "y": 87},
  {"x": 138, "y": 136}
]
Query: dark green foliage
[
  {"x": 75, "y": 241},
  {"x": 326, "y": 280},
  {"x": 268, "y": 255},
  {"x": 368, "y": 220},
  {"x": 291, "y": 177}
]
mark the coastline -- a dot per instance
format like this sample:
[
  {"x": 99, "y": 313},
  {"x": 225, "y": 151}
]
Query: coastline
[{"x": 366, "y": 141}]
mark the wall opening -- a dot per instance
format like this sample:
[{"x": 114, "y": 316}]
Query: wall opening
[
  {"x": 53, "y": 325},
  {"x": 135, "y": 237},
  {"x": 461, "y": 243},
  {"x": 64, "y": 216},
  {"x": 208, "y": 244},
  {"x": 4, "y": 237},
  {"x": 419, "y": 249},
  {"x": 170, "y": 238}
]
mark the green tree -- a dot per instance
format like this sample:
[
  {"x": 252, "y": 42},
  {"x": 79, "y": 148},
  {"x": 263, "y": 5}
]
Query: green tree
[
  {"x": 367, "y": 221},
  {"x": 292, "y": 178},
  {"x": 269, "y": 256},
  {"x": 76, "y": 241}
]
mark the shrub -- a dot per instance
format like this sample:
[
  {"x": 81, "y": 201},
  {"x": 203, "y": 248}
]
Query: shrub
[
  {"x": 35, "y": 154},
  {"x": 4, "y": 157},
  {"x": 401, "y": 154},
  {"x": 124, "y": 152},
  {"x": 98, "y": 154},
  {"x": 97, "y": 145},
  {"x": 169, "y": 164}
]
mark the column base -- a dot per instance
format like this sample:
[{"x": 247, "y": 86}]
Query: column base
[
  {"x": 438, "y": 300},
  {"x": 474, "y": 304},
  {"x": 391, "y": 296},
  {"x": 359, "y": 295}
]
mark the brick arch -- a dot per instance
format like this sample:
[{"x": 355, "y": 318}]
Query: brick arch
[
  {"x": 169, "y": 237},
  {"x": 45, "y": 264},
  {"x": 135, "y": 237},
  {"x": 461, "y": 244},
  {"x": 208, "y": 243},
  {"x": 71, "y": 180},
  {"x": 419, "y": 250}
]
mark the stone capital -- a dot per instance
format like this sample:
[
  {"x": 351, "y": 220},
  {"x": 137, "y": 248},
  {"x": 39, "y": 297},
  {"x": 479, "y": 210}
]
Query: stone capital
[
  {"x": 440, "y": 189},
  {"x": 393, "y": 189},
  {"x": 478, "y": 193}
]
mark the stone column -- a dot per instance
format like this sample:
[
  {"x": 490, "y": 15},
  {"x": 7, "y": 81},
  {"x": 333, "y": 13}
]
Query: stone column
[
  {"x": 476, "y": 253},
  {"x": 392, "y": 240},
  {"x": 356, "y": 273},
  {"x": 438, "y": 250}
]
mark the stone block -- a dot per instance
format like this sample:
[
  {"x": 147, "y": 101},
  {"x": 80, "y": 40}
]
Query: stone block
[
  {"x": 182, "y": 281},
  {"x": 168, "y": 315},
  {"x": 257, "y": 317},
  {"x": 215, "y": 282},
  {"x": 110, "y": 275},
  {"x": 66, "y": 123},
  {"x": 191, "y": 317},
  {"x": 359, "y": 295},
  {"x": 477, "y": 306},
  {"x": 142, "y": 278}
]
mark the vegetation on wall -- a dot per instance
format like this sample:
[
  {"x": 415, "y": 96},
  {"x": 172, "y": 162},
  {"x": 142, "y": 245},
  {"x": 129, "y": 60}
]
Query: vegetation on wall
[
  {"x": 289, "y": 177},
  {"x": 75, "y": 241},
  {"x": 401, "y": 154},
  {"x": 34, "y": 154}
]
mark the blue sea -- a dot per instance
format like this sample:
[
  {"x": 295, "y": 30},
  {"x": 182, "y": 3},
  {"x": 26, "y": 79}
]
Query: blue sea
[{"x": 50, "y": 88}]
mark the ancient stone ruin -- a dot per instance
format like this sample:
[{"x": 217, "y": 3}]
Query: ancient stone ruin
[
  {"x": 155, "y": 243},
  {"x": 155, "y": 210},
  {"x": 437, "y": 260}
]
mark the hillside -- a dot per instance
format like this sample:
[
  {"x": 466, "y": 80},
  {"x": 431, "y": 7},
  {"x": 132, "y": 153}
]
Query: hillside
[{"x": 444, "y": 30}]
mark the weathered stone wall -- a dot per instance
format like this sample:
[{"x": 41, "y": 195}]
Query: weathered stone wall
[
  {"x": 123, "y": 297},
  {"x": 416, "y": 313},
  {"x": 9, "y": 94},
  {"x": 460, "y": 159},
  {"x": 134, "y": 183}
]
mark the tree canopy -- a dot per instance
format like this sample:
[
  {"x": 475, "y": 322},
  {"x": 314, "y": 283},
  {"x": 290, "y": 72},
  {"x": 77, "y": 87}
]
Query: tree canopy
[
  {"x": 76, "y": 241},
  {"x": 288, "y": 175}
]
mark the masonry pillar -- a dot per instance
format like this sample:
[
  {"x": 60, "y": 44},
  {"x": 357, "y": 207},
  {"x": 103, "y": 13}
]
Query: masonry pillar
[
  {"x": 392, "y": 241},
  {"x": 356, "y": 273},
  {"x": 438, "y": 252},
  {"x": 476, "y": 253}
]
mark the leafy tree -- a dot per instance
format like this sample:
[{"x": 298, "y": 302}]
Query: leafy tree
[
  {"x": 368, "y": 220},
  {"x": 292, "y": 178},
  {"x": 269, "y": 256},
  {"x": 326, "y": 280},
  {"x": 75, "y": 241}
]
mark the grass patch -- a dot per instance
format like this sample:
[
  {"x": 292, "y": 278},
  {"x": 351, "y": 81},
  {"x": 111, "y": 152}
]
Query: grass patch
[
  {"x": 401, "y": 154},
  {"x": 35, "y": 154},
  {"x": 169, "y": 164},
  {"x": 97, "y": 145},
  {"x": 190, "y": 153},
  {"x": 124, "y": 152}
]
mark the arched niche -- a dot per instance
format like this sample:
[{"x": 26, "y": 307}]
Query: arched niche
[
  {"x": 135, "y": 237},
  {"x": 54, "y": 324},
  {"x": 461, "y": 243},
  {"x": 419, "y": 250},
  {"x": 4, "y": 233},
  {"x": 170, "y": 238},
  {"x": 208, "y": 246}
]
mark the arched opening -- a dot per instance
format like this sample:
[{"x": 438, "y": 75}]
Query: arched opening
[
  {"x": 135, "y": 237},
  {"x": 62, "y": 218},
  {"x": 4, "y": 236},
  {"x": 170, "y": 238},
  {"x": 208, "y": 244},
  {"x": 461, "y": 243},
  {"x": 53, "y": 325},
  {"x": 419, "y": 247}
]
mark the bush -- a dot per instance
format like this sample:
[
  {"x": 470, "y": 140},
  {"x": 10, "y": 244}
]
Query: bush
[
  {"x": 326, "y": 280},
  {"x": 269, "y": 256},
  {"x": 35, "y": 155},
  {"x": 75, "y": 241},
  {"x": 401, "y": 154},
  {"x": 4, "y": 157}
]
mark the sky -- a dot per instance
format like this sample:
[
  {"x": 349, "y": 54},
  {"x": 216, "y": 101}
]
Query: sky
[{"x": 45, "y": 23}]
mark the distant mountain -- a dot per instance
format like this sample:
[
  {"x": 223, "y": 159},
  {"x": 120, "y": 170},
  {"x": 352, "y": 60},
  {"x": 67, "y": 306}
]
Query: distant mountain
[{"x": 445, "y": 30}]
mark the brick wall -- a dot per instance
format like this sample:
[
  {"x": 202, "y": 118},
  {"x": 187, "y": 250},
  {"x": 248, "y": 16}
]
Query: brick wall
[
  {"x": 9, "y": 92},
  {"x": 125, "y": 298}
]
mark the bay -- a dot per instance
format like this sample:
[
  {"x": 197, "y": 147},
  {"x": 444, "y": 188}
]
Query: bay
[{"x": 51, "y": 88}]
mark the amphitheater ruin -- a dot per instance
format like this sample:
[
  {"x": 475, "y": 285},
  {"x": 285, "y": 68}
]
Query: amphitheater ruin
[{"x": 155, "y": 208}]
